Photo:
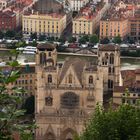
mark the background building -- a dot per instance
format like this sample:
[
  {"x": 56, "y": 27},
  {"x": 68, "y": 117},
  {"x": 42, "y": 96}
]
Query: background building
[
  {"x": 48, "y": 24},
  {"x": 134, "y": 24},
  {"x": 129, "y": 91},
  {"x": 113, "y": 27},
  {"x": 76, "y": 5},
  {"x": 46, "y": 18},
  {"x": 7, "y": 20},
  {"x": 88, "y": 19}
]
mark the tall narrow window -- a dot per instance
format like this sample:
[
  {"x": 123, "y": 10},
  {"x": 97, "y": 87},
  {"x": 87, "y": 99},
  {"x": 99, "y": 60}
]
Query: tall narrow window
[
  {"x": 49, "y": 78},
  {"x": 90, "y": 79},
  {"x": 111, "y": 59},
  {"x": 48, "y": 101},
  {"x": 70, "y": 78},
  {"x": 109, "y": 70},
  {"x": 49, "y": 54},
  {"x": 42, "y": 58},
  {"x": 110, "y": 84}
]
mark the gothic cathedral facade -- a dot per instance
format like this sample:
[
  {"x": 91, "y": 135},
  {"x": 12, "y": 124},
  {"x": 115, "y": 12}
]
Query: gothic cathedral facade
[{"x": 67, "y": 92}]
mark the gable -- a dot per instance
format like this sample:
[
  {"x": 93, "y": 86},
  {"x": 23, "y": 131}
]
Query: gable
[{"x": 71, "y": 78}]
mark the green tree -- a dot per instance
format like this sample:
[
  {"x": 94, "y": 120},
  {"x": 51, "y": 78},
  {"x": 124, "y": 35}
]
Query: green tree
[
  {"x": 33, "y": 36},
  {"x": 94, "y": 39},
  {"x": 84, "y": 39},
  {"x": 62, "y": 40},
  {"x": 71, "y": 39},
  {"x": 51, "y": 39},
  {"x": 104, "y": 41},
  {"x": 29, "y": 105},
  {"x": 117, "y": 39},
  {"x": 1, "y": 35},
  {"x": 42, "y": 37},
  {"x": 10, "y": 102},
  {"x": 18, "y": 35},
  {"x": 10, "y": 34},
  {"x": 122, "y": 123}
]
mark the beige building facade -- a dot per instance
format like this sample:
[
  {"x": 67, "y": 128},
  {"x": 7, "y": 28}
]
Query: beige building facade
[
  {"x": 88, "y": 20},
  {"x": 43, "y": 24},
  {"x": 67, "y": 92},
  {"x": 113, "y": 27}
]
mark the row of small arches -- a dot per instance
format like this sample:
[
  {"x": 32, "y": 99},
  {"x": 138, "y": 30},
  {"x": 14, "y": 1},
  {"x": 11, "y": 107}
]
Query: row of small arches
[
  {"x": 108, "y": 58},
  {"x": 70, "y": 79}
]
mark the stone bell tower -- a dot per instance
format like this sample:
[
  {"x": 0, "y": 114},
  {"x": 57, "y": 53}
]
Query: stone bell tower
[
  {"x": 109, "y": 63},
  {"x": 46, "y": 55}
]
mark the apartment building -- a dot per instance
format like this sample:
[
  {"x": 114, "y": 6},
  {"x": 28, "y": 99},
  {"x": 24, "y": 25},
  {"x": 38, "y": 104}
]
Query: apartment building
[
  {"x": 113, "y": 27},
  {"x": 46, "y": 24},
  {"x": 76, "y": 5},
  {"x": 88, "y": 19},
  {"x": 134, "y": 23},
  {"x": 129, "y": 92},
  {"x": 5, "y": 3},
  {"x": 7, "y": 20}
]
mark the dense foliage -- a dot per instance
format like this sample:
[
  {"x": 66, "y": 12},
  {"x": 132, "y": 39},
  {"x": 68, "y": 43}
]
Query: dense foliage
[
  {"x": 122, "y": 123},
  {"x": 94, "y": 39},
  {"x": 117, "y": 40},
  {"x": 10, "y": 103}
]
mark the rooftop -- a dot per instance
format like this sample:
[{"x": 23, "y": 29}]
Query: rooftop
[
  {"x": 109, "y": 47},
  {"x": 48, "y": 6},
  {"x": 46, "y": 46}
]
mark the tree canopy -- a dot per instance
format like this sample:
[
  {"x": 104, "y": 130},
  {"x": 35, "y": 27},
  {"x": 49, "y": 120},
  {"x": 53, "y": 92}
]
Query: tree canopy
[
  {"x": 71, "y": 39},
  {"x": 10, "y": 34},
  {"x": 117, "y": 39},
  {"x": 10, "y": 102},
  {"x": 104, "y": 41},
  {"x": 94, "y": 39},
  {"x": 84, "y": 39},
  {"x": 33, "y": 36},
  {"x": 122, "y": 123}
]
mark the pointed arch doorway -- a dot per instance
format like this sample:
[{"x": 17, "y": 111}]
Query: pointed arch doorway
[{"x": 68, "y": 134}]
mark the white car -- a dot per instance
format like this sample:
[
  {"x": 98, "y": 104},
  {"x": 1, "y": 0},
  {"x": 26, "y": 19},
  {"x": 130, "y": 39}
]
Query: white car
[
  {"x": 9, "y": 41},
  {"x": 84, "y": 45}
]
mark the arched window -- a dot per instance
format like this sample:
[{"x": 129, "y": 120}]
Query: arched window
[
  {"x": 106, "y": 55},
  {"x": 110, "y": 84},
  {"x": 42, "y": 58},
  {"x": 50, "y": 136},
  {"x": 49, "y": 78},
  {"x": 105, "y": 59},
  {"x": 49, "y": 54},
  {"x": 70, "y": 78},
  {"x": 90, "y": 79},
  {"x": 109, "y": 70},
  {"x": 49, "y": 101},
  {"x": 111, "y": 61}
]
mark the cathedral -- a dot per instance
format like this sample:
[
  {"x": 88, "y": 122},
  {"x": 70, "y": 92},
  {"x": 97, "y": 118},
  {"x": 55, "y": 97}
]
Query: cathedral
[{"x": 67, "y": 92}]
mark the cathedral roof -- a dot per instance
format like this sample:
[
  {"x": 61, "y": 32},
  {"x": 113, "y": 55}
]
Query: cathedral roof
[
  {"x": 109, "y": 47},
  {"x": 78, "y": 66}
]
